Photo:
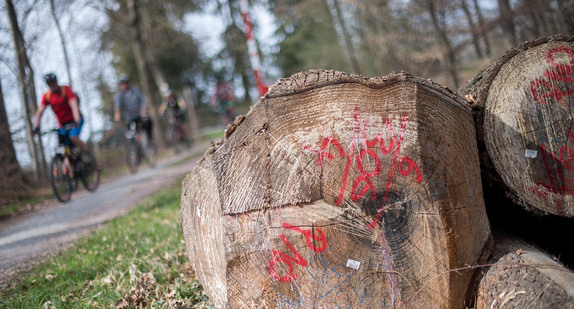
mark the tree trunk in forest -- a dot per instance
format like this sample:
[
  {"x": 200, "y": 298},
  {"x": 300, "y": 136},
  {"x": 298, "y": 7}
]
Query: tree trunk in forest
[
  {"x": 138, "y": 48},
  {"x": 31, "y": 84},
  {"x": 339, "y": 190},
  {"x": 191, "y": 114},
  {"x": 523, "y": 107},
  {"x": 12, "y": 182},
  {"x": 373, "y": 20},
  {"x": 473, "y": 30},
  {"x": 151, "y": 62},
  {"x": 25, "y": 80},
  {"x": 567, "y": 10},
  {"x": 449, "y": 53},
  {"x": 524, "y": 277},
  {"x": 62, "y": 41},
  {"x": 507, "y": 21},
  {"x": 541, "y": 19},
  {"x": 337, "y": 16},
  {"x": 482, "y": 26},
  {"x": 237, "y": 53}
]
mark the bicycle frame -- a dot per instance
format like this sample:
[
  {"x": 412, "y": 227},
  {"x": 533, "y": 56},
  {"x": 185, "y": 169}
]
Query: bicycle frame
[
  {"x": 176, "y": 129},
  {"x": 64, "y": 182},
  {"x": 65, "y": 146},
  {"x": 132, "y": 132},
  {"x": 136, "y": 145},
  {"x": 69, "y": 165}
]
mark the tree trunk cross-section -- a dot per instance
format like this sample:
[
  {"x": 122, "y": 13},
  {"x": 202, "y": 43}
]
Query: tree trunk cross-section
[
  {"x": 525, "y": 120},
  {"x": 524, "y": 277},
  {"x": 340, "y": 191}
]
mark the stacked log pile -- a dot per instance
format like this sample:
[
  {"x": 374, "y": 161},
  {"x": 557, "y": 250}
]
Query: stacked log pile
[
  {"x": 522, "y": 106},
  {"x": 340, "y": 191},
  {"x": 524, "y": 120},
  {"x": 523, "y": 276}
]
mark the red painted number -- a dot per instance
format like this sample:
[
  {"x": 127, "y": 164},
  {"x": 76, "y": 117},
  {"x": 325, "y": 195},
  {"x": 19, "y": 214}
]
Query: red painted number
[
  {"x": 363, "y": 184},
  {"x": 544, "y": 89},
  {"x": 283, "y": 258}
]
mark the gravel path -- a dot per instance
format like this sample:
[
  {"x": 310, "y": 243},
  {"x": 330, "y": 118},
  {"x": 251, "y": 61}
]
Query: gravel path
[{"x": 27, "y": 240}]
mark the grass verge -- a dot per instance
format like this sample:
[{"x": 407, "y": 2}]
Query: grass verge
[
  {"x": 136, "y": 261},
  {"x": 212, "y": 135}
]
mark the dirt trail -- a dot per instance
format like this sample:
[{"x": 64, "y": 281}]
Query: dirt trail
[{"x": 30, "y": 239}]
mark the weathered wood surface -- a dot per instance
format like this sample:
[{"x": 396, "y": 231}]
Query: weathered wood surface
[
  {"x": 524, "y": 277},
  {"x": 523, "y": 104},
  {"x": 340, "y": 191}
]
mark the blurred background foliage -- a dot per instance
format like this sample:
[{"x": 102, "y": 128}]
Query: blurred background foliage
[{"x": 186, "y": 45}]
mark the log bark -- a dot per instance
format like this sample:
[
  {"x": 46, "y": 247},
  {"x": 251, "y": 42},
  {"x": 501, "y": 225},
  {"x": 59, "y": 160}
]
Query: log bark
[
  {"x": 524, "y": 277},
  {"x": 522, "y": 104},
  {"x": 339, "y": 190}
]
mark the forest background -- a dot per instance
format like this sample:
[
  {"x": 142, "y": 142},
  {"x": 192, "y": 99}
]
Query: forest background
[{"x": 185, "y": 45}]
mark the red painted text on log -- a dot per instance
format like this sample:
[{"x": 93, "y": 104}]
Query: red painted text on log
[
  {"x": 362, "y": 183},
  {"x": 285, "y": 259},
  {"x": 544, "y": 88}
]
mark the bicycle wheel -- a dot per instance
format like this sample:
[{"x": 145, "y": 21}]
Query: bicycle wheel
[
  {"x": 90, "y": 173},
  {"x": 176, "y": 139},
  {"x": 132, "y": 156},
  {"x": 151, "y": 155},
  {"x": 60, "y": 180},
  {"x": 149, "y": 151}
]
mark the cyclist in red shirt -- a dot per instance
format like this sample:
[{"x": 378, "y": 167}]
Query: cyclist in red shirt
[{"x": 64, "y": 103}]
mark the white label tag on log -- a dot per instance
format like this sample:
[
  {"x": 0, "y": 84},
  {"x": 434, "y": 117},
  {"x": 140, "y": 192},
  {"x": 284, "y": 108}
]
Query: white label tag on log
[
  {"x": 353, "y": 264},
  {"x": 530, "y": 153}
]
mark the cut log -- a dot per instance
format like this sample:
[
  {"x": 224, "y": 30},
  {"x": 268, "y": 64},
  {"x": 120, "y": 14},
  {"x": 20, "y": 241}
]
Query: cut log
[
  {"x": 524, "y": 277},
  {"x": 340, "y": 191},
  {"x": 523, "y": 104}
]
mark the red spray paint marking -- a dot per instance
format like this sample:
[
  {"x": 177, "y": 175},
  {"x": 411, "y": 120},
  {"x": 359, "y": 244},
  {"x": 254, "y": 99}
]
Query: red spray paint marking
[
  {"x": 309, "y": 235},
  {"x": 552, "y": 187},
  {"x": 252, "y": 48},
  {"x": 560, "y": 72},
  {"x": 351, "y": 150},
  {"x": 564, "y": 158},
  {"x": 365, "y": 176},
  {"x": 322, "y": 153},
  {"x": 404, "y": 165},
  {"x": 410, "y": 166},
  {"x": 391, "y": 172},
  {"x": 277, "y": 256},
  {"x": 563, "y": 70},
  {"x": 543, "y": 89},
  {"x": 387, "y": 261}
]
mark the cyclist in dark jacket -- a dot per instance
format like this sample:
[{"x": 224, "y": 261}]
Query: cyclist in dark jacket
[
  {"x": 177, "y": 119},
  {"x": 130, "y": 106}
]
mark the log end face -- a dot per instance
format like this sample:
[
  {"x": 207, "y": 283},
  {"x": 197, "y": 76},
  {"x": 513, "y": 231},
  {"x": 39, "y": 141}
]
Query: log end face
[
  {"x": 199, "y": 221},
  {"x": 344, "y": 180},
  {"x": 523, "y": 276},
  {"x": 524, "y": 119}
]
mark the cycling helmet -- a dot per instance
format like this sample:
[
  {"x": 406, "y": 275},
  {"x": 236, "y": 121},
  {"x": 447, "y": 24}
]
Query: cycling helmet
[
  {"x": 50, "y": 78},
  {"x": 124, "y": 79}
]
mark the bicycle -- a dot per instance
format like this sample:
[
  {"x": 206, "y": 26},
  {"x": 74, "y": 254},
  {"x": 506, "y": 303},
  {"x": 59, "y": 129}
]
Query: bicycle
[
  {"x": 139, "y": 148},
  {"x": 84, "y": 167},
  {"x": 177, "y": 134}
]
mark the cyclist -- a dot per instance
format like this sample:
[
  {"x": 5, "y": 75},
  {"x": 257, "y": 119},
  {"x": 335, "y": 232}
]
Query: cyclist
[
  {"x": 64, "y": 103},
  {"x": 130, "y": 106},
  {"x": 223, "y": 99},
  {"x": 177, "y": 108},
  {"x": 178, "y": 119}
]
